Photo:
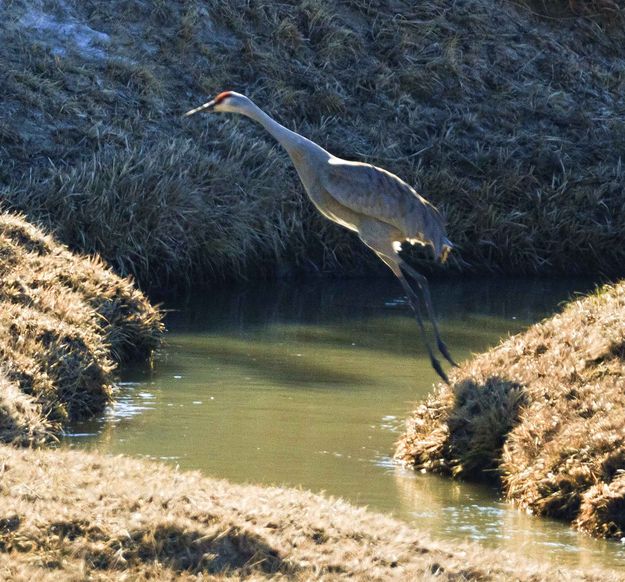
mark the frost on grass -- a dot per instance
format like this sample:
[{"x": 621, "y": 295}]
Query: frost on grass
[{"x": 62, "y": 31}]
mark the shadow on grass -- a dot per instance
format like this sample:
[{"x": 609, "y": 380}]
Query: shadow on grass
[
  {"x": 461, "y": 430},
  {"x": 180, "y": 549},
  {"x": 482, "y": 416}
]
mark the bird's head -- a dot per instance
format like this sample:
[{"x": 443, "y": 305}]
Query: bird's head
[{"x": 228, "y": 102}]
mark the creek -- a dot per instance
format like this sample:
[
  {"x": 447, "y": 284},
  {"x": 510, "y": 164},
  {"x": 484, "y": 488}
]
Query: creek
[{"x": 309, "y": 385}]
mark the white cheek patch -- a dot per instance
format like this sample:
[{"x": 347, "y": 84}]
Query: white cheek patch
[{"x": 396, "y": 246}]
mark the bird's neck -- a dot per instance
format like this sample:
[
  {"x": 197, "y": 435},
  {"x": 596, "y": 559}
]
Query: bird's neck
[{"x": 295, "y": 144}]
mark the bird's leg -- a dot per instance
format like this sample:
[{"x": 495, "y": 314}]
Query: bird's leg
[
  {"x": 413, "y": 301},
  {"x": 378, "y": 238},
  {"x": 422, "y": 282}
]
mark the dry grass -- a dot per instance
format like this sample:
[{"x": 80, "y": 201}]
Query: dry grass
[
  {"x": 545, "y": 412},
  {"x": 78, "y": 516},
  {"x": 65, "y": 321},
  {"x": 512, "y": 123},
  {"x": 21, "y": 420}
]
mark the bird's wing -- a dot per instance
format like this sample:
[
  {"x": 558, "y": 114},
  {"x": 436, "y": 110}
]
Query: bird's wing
[{"x": 373, "y": 191}]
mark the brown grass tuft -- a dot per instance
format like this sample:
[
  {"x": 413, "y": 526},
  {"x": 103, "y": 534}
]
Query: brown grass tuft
[
  {"x": 545, "y": 411},
  {"x": 65, "y": 322},
  {"x": 461, "y": 431},
  {"x": 21, "y": 418},
  {"x": 602, "y": 511}
]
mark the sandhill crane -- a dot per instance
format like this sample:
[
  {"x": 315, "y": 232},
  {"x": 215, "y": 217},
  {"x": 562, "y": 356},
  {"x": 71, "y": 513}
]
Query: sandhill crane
[{"x": 376, "y": 204}]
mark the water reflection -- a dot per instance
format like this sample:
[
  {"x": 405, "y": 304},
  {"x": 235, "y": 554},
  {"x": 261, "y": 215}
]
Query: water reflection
[
  {"x": 308, "y": 385},
  {"x": 457, "y": 509}
]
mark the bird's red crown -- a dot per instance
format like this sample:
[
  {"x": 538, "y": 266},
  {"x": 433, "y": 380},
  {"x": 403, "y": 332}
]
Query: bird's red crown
[{"x": 222, "y": 96}]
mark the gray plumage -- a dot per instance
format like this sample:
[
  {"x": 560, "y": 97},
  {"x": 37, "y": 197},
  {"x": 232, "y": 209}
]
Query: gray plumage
[
  {"x": 376, "y": 193},
  {"x": 379, "y": 206}
]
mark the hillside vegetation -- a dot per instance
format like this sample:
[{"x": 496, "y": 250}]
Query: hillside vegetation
[
  {"x": 544, "y": 412},
  {"x": 509, "y": 117}
]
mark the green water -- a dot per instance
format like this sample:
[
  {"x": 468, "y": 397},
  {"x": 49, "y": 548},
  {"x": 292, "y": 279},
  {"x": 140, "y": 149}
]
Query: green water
[{"x": 309, "y": 386}]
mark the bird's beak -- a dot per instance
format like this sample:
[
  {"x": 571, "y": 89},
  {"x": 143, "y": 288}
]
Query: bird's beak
[{"x": 204, "y": 107}]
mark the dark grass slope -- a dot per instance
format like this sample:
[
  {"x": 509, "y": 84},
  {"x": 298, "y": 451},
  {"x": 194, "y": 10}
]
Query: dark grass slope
[{"x": 509, "y": 118}]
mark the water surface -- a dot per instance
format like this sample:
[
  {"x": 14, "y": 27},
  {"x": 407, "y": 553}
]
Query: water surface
[{"x": 309, "y": 385}]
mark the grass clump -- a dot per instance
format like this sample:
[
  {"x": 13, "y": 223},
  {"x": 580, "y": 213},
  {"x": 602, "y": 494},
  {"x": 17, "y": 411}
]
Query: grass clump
[
  {"x": 65, "y": 322},
  {"x": 544, "y": 412},
  {"x": 21, "y": 421},
  {"x": 73, "y": 516},
  {"x": 94, "y": 147}
]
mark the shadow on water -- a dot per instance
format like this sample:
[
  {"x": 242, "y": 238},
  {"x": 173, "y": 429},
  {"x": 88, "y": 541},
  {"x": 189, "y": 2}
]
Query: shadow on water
[
  {"x": 308, "y": 385},
  {"x": 268, "y": 360},
  {"x": 333, "y": 301}
]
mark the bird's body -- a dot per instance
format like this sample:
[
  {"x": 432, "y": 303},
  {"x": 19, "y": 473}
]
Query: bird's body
[
  {"x": 403, "y": 215},
  {"x": 383, "y": 209}
]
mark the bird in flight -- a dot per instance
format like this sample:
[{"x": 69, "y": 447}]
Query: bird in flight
[{"x": 376, "y": 204}]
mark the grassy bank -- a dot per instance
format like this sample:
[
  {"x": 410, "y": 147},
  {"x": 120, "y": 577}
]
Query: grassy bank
[
  {"x": 544, "y": 412},
  {"x": 66, "y": 321},
  {"x": 508, "y": 116},
  {"x": 77, "y": 516}
]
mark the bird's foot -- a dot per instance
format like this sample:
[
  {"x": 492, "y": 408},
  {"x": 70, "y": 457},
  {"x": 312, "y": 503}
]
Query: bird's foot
[
  {"x": 442, "y": 348},
  {"x": 437, "y": 367}
]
